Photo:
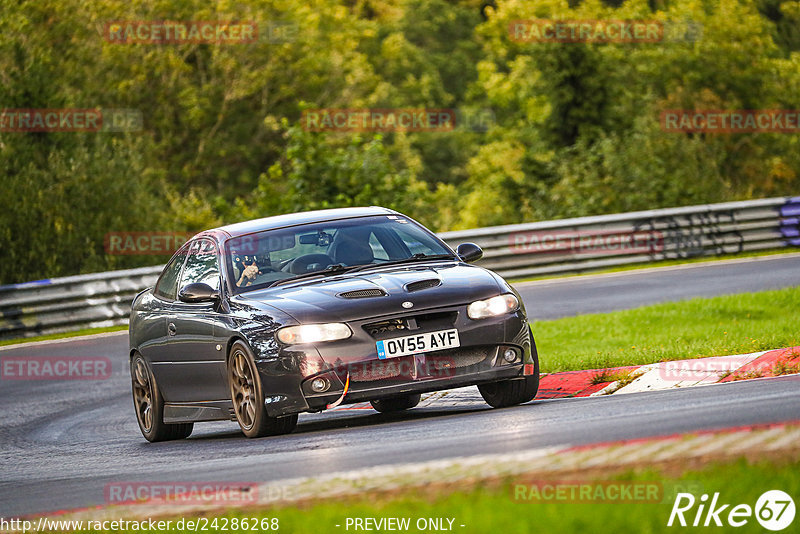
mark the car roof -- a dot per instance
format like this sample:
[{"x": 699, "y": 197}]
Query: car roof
[{"x": 292, "y": 219}]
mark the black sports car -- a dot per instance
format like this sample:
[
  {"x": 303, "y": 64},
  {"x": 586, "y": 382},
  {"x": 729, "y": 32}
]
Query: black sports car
[{"x": 262, "y": 320}]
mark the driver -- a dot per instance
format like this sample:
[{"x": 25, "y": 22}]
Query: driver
[{"x": 249, "y": 272}]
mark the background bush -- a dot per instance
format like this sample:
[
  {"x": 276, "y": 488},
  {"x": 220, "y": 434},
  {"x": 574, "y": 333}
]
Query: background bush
[{"x": 576, "y": 128}]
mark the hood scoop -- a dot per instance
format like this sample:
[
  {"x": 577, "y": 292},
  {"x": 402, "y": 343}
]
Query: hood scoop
[
  {"x": 422, "y": 284},
  {"x": 362, "y": 293}
]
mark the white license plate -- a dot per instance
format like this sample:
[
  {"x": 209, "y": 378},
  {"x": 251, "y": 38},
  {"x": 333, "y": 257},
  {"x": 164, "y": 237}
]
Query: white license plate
[{"x": 428, "y": 342}]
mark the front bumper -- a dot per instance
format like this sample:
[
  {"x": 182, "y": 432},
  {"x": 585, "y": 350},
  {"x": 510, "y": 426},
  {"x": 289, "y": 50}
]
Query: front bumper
[
  {"x": 361, "y": 393},
  {"x": 479, "y": 359}
]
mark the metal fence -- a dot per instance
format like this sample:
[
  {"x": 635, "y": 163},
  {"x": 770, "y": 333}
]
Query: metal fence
[
  {"x": 515, "y": 251},
  {"x": 604, "y": 241}
]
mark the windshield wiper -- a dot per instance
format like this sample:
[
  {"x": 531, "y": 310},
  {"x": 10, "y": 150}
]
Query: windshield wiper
[
  {"x": 411, "y": 259},
  {"x": 330, "y": 269}
]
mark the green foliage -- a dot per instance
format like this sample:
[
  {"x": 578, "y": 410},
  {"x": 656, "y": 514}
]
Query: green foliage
[
  {"x": 576, "y": 128},
  {"x": 316, "y": 172}
]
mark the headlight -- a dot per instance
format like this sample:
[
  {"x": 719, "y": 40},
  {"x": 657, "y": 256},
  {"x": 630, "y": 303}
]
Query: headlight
[
  {"x": 313, "y": 333},
  {"x": 499, "y": 305}
]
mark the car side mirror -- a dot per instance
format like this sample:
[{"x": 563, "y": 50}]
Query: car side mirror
[
  {"x": 198, "y": 292},
  {"x": 469, "y": 252}
]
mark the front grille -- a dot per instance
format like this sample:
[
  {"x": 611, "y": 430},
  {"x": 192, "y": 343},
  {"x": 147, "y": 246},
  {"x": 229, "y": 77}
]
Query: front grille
[
  {"x": 431, "y": 322},
  {"x": 373, "y": 370},
  {"x": 363, "y": 294},
  {"x": 459, "y": 358},
  {"x": 384, "y": 327},
  {"x": 403, "y": 326},
  {"x": 422, "y": 284}
]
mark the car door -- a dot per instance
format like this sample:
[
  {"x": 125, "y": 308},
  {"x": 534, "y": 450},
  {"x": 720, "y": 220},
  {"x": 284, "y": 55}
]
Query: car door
[
  {"x": 153, "y": 320},
  {"x": 197, "y": 369}
]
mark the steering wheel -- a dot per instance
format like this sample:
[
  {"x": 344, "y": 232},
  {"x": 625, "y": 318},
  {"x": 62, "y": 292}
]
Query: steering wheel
[{"x": 308, "y": 263}]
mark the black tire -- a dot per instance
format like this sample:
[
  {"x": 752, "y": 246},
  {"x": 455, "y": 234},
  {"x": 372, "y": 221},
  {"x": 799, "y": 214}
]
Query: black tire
[
  {"x": 510, "y": 392},
  {"x": 149, "y": 405},
  {"x": 515, "y": 391},
  {"x": 396, "y": 404},
  {"x": 247, "y": 396}
]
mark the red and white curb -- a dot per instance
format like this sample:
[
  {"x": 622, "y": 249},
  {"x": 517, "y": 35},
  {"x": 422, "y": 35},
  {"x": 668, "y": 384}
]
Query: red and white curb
[
  {"x": 635, "y": 379},
  {"x": 687, "y": 373},
  {"x": 671, "y": 375}
]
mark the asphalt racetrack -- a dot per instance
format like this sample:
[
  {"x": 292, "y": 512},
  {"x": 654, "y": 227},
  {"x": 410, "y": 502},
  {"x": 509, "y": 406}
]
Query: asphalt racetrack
[{"x": 61, "y": 442}]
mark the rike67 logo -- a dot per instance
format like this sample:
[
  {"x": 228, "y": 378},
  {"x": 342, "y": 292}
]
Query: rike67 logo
[{"x": 774, "y": 510}]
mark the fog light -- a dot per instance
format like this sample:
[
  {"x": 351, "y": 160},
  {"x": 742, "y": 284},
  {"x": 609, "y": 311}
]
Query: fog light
[
  {"x": 320, "y": 385},
  {"x": 509, "y": 355}
]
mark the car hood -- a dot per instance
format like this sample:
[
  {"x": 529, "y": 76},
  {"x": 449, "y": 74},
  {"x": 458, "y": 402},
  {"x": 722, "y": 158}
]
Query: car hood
[{"x": 325, "y": 299}]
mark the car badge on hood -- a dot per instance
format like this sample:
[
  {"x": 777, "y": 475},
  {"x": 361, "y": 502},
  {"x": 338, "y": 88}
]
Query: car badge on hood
[{"x": 408, "y": 304}]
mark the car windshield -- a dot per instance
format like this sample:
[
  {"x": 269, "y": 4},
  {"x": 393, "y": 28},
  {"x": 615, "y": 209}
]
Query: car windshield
[{"x": 266, "y": 258}]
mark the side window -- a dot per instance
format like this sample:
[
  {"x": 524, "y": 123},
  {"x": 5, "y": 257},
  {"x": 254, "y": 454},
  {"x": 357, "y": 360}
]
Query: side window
[
  {"x": 167, "y": 286},
  {"x": 201, "y": 266}
]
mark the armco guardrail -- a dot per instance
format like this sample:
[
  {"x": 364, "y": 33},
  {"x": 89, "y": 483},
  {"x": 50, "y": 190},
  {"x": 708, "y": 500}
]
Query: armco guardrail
[
  {"x": 520, "y": 250},
  {"x": 591, "y": 243},
  {"x": 72, "y": 302}
]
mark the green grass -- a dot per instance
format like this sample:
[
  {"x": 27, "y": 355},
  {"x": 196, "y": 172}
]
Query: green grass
[
  {"x": 622, "y": 378},
  {"x": 734, "y": 324},
  {"x": 487, "y": 508},
  {"x": 63, "y": 335},
  {"x": 664, "y": 263}
]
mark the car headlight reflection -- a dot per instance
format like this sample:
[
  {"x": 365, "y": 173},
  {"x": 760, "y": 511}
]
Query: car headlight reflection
[
  {"x": 313, "y": 333},
  {"x": 499, "y": 305}
]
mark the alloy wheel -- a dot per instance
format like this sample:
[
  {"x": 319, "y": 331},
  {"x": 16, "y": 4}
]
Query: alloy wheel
[
  {"x": 143, "y": 394},
  {"x": 243, "y": 391}
]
